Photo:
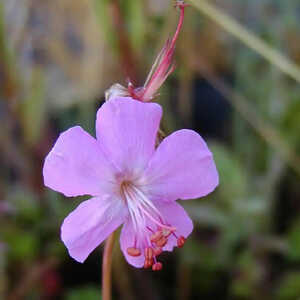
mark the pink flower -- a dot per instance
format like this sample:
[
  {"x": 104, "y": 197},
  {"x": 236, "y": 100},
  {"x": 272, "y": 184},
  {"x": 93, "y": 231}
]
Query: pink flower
[{"x": 130, "y": 181}]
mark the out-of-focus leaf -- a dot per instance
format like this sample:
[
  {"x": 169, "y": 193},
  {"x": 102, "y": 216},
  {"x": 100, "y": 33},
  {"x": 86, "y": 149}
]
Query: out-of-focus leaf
[
  {"x": 201, "y": 255},
  {"x": 33, "y": 110},
  {"x": 206, "y": 214},
  {"x": 250, "y": 39},
  {"x": 25, "y": 204},
  {"x": 289, "y": 288},
  {"x": 102, "y": 13},
  {"x": 294, "y": 242},
  {"x": 136, "y": 21},
  {"x": 84, "y": 293},
  {"x": 291, "y": 124},
  {"x": 247, "y": 273},
  {"x": 22, "y": 245},
  {"x": 250, "y": 213},
  {"x": 233, "y": 179}
]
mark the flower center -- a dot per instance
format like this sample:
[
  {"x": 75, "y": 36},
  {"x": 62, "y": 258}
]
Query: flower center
[{"x": 150, "y": 229}]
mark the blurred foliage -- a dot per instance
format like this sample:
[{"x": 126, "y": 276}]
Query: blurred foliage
[
  {"x": 56, "y": 60},
  {"x": 87, "y": 293}
]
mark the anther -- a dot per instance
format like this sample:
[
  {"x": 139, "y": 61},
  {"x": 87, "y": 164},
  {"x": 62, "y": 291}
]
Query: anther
[
  {"x": 157, "y": 266},
  {"x": 161, "y": 242},
  {"x": 157, "y": 251},
  {"x": 156, "y": 236},
  {"x": 180, "y": 241},
  {"x": 133, "y": 251},
  {"x": 148, "y": 263},
  {"x": 148, "y": 253},
  {"x": 166, "y": 232}
]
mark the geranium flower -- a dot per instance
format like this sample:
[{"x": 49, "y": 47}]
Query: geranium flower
[{"x": 131, "y": 182}]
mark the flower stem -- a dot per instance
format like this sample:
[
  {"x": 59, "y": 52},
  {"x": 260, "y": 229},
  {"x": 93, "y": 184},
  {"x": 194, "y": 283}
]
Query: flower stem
[{"x": 106, "y": 267}]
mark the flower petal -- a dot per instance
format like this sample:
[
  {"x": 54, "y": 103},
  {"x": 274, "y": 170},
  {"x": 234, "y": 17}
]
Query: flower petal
[
  {"x": 127, "y": 240},
  {"x": 127, "y": 129},
  {"x": 175, "y": 215},
  {"x": 90, "y": 224},
  {"x": 181, "y": 168},
  {"x": 76, "y": 166}
]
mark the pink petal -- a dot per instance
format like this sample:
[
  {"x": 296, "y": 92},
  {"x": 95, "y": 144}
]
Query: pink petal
[
  {"x": 76, "y": 166},
  {"x": 175, "y": 215},
  {"x": 90, "y": 224},
  {"x": 127, "y": 240},
  {"x": 127, "y": 129},
  {"x": 181, "y": 168}
]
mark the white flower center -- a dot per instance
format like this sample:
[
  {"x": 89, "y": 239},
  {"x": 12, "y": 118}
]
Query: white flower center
[
  {"x": 150, "y": 229},
  {"x": 139, "y": 206}
]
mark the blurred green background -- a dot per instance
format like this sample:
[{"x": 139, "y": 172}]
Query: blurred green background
[{"x": 237, "y": 84}]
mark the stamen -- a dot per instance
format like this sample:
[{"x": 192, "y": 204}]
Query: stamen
[
  {"x": 156, "y": 236},
  {"x": 143, "y": 212},
  {"x": 157, "y": 266},
  {"x": 161, "y": 242},
  {"x": 157, "y": 251},
  {"x": 148, "y": 263},
  {"x": 133, "y": 251},
  {"x": 148, "y": 253},
  {"x": 181, "y": 241},
  {"x": 157, "y": 222},
  {"x": 145, "y": 200},
  {"x": 166, "y": 233}
]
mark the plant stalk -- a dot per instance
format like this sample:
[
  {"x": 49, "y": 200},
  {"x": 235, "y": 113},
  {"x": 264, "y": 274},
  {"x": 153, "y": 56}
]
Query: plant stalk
[{"x": 106, "y": 267}]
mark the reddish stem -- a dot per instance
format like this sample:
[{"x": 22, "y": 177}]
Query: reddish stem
[
  {"x": 179, "y": 26},
  {"x": 172, "y": 46},
  {"x": 165, "y": 66},
  {"x": 106, "y": 267}
]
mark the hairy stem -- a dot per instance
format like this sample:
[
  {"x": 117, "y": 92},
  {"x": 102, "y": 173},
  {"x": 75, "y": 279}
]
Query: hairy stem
[{"x": 106, "y": 267}]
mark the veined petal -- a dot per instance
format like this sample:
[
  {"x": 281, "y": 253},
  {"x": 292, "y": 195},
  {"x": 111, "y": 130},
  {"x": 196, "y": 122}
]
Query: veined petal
[
  {"x": 127, "y": 240},
  {"x": 181, "y": 168},
  {"x": 76, "y": 166},
  {"x": 127, "y": 129},
  {"x": 90, "y": 224}
]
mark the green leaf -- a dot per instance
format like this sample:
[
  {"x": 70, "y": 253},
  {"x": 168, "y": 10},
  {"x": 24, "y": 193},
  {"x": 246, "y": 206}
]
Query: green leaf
[
  {"x": 84, "y": 293},
  {"x": 233, "y": 178},
  {"x": 294, "y": 242},
  {"x": 289, "y": 289}
]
